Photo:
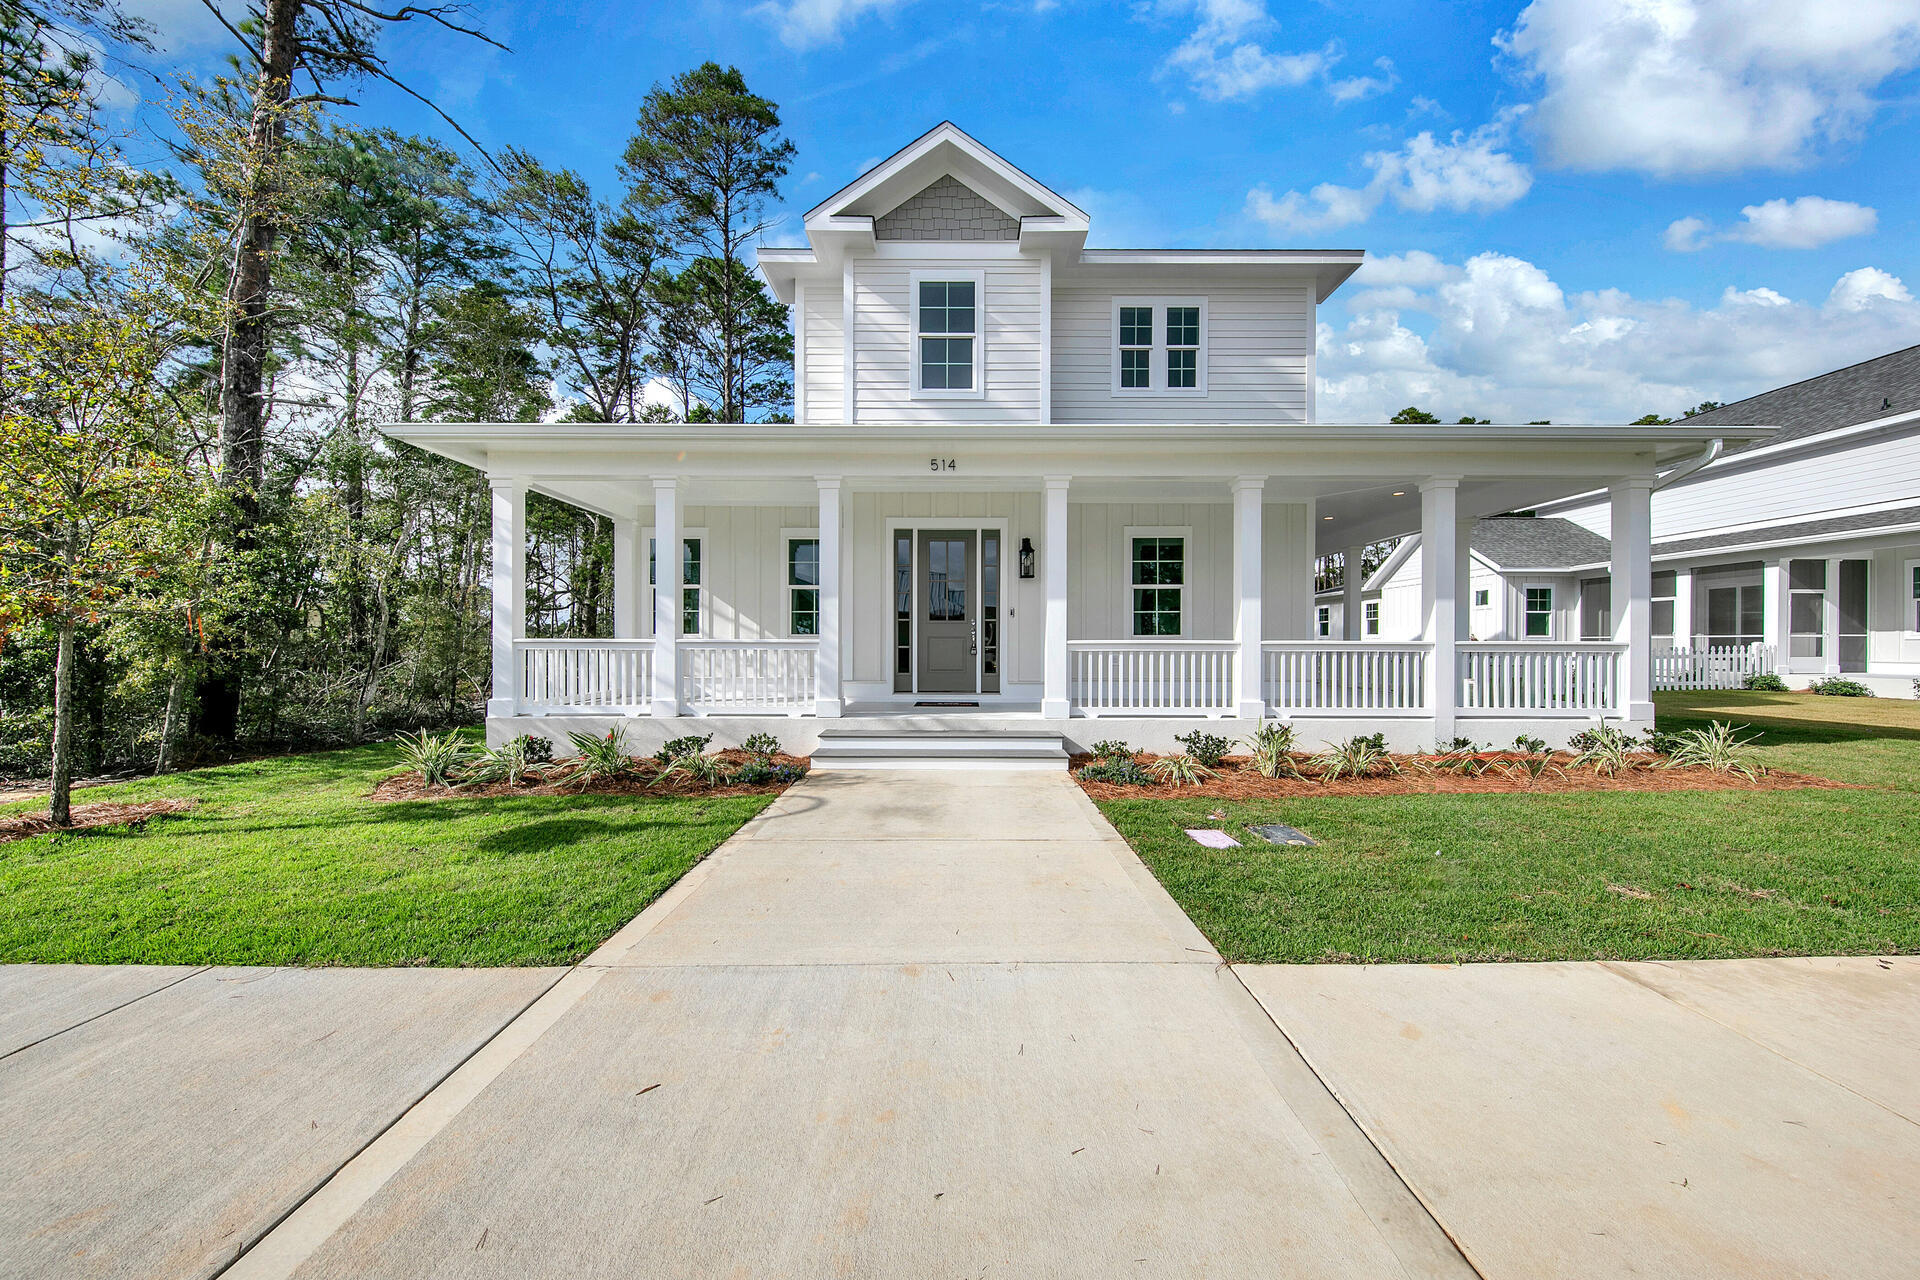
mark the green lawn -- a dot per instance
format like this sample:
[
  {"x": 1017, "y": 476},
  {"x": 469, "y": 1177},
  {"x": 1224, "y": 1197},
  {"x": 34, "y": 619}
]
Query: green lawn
[
  {"x": 286, "y": 861},
  {"x": 1519, "y": 877}
]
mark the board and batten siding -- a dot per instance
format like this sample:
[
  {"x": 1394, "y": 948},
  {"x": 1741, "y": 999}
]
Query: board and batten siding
[
  {"x": 824, "y": 373},
  {"x": 883, "y": 341},
  {"x": 743, "y": 559},
  {"x": 1258, "y": 348}
]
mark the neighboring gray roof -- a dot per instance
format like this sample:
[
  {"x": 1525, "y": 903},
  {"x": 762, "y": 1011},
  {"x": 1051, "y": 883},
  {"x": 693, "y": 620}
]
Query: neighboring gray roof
[
  {"x": 1538, "y": 542},
  {"x": 1876, "y": 388},
  {"x": 1858, "y": 523}
]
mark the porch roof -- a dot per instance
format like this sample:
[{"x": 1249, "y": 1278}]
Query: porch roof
[{"x": 1363, "y": 478}]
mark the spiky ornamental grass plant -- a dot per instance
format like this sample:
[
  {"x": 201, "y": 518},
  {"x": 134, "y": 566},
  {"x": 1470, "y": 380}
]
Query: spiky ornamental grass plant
[
  {"x": 1604, "y": 749},
  {"x": 598, "y": 757},
  {"x": 1181, "y": 770},
  {"x": 506, "y": 763},
  {"x": 1271, "y": 746},
  {"x": 1357, "y": 757},
  {"x": 1718, "y": 747},
  {"x": 437, "y": 760}
]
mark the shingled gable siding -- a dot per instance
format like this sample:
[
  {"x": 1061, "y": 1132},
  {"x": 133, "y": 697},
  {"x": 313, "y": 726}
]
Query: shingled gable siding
[{"x": 946, "y": 210}]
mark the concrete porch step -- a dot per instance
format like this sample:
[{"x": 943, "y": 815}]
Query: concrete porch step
[{"x": 849, "y": 748}]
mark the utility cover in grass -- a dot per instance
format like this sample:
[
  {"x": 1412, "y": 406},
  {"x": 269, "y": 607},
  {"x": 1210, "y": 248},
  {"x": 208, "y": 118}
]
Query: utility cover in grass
[
  {"x": 1211, "y": 838},
  {"x": 1281, "y": 833}
]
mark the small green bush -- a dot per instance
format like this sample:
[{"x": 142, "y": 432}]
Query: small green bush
[
  {"x": 676, "y": 748},
  {"x": 1839, "y": 687},
  {"x": 1357, "y": 757},
  {"x": 757, "y": 773},
  {"x": 1113, "y": 749},
  {"x": 1207, "y": 748},
  {"x": 1271, "y": 746},
  {"x": 1119, "y": 773},
  {"x": 437, "y": 760},
  {"x": 506, "y": 763},
  {"x": 1764, "y": 682},
  {"x": 704, "y": 769},
  {"x": 1604, "y": 749},
  {"x": 764, "y": 745}
]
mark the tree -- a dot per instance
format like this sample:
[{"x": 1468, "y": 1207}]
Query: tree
[
  {"x": 1705, "y": 406},
  {"x": 707, "y": 158},
  {"x": 1650, "y": 420},
  {"x": 1471, "y": 421},
  {"x": 1411, "y": 415},
  {"x": 723, "y": 336}
]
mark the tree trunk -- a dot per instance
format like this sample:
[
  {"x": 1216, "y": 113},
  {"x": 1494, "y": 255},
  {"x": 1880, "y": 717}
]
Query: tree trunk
[
  {"x": 60, "y": 804},
  {"x": 170, "y": 721}
]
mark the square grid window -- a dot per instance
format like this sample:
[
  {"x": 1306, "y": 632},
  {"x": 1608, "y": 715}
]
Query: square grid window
[
  {"x": 690, "y": 584},
  {"x": 803, "y": 586},
  {"x": 1136, "y": 347},
  {"x": 947, "y": 308},
  {"x": 1913, "y": 595},
  {"x": 1323, "y": 621},
  {"x": 1159, "y": 345},
  {"x": 1183, "y": 348},
  {"x": 1539, "y": 624},
  {"x": 1159, "y": 573},
  {"x": 1370, "y": 612}
]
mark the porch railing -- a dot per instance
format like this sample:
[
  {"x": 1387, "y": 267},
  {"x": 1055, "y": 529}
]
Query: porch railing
[
  {"x": 605, "y": 676},
  {"x": 1712, "y": 666},
  {"x": 1530, "y": 678},
  {"x": 1345, "y": 677},
  {"x": 1151, "y": 677},
  {"x": 769, "y": 676}
]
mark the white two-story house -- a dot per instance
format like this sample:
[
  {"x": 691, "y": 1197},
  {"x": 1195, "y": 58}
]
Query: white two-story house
[{"x": 1035, "y": 495}]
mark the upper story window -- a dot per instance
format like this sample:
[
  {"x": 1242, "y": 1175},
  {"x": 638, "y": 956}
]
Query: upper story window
[
  {"x": 946, "y": 342},
  {"x": 1159, "y": 346}
]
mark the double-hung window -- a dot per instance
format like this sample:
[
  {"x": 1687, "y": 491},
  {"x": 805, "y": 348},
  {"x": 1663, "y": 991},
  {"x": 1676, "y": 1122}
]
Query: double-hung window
[
  {"x": 1323, "y": 621},
  {"x": 1913, "y": 595},
  {"x": 691, "y": 582},
  {"x": 1157, "y": 570},
  {"x": 803, "y": 586},
  {"x": 1539, "y": 613},
  {"x": 946, "y": 341},
  {"x": 1370, "y": 614},
  {"x": 1159, "y": 346}
]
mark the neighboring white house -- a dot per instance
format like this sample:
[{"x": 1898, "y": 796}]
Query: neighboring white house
[
  {"x": 1043, "y": 492},
  {"x": 1799, "y": 554}
]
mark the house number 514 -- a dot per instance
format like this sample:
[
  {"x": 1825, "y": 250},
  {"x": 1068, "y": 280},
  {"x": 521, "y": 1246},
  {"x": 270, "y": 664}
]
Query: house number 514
[{"x": 942, "y": 464}]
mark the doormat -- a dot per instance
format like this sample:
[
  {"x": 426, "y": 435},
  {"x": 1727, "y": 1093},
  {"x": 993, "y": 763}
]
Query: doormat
[
  {"x": 946, "y": 704},
  {"x": 1281, "y": 833}
]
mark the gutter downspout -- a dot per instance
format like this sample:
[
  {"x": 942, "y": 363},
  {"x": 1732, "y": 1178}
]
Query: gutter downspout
[{"x": 1705, "y": 458}]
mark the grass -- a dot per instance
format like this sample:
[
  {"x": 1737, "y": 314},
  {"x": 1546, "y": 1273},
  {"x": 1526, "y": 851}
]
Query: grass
[
  {"x": 286, "y": 861},
  {"x": 1606, "y": 875}
]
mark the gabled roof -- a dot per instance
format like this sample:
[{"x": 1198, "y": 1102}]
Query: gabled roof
[
  {"x": 1537, "y": 542},
  {"x": 1866, "y": 392},
  {"x": 1798, "y": 531},
  {"x": 946, "y": 150}
]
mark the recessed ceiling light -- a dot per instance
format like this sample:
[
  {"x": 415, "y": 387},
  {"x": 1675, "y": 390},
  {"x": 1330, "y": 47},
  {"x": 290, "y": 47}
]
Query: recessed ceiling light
[
  {"x": 1399, "y": 493},
  {"x": 1326, "y": 517}
]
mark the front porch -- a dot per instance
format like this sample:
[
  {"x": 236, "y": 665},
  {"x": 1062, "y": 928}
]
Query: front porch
[{"x": 1097, "y": 582}]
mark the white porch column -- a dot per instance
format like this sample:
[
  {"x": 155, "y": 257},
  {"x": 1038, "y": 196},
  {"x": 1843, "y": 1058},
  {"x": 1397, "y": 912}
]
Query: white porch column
[
  {"x": 1054, "y": 703},
  {"x": 1249, "y": 697},
  {"x": 628, "y": 565},
  {"x": 1632, "y": 593},
  {"x": 1830, "y": 619},
  {"x": 509, "y": 589},
  {"x": 1774, "y": 627},
  {"x": 1352, "y": 585},
  {"x": 1439, "y": 587},
  {"x": 827, "y": 698},
  {"x": 1683, "y": 608},
  {"x": 667, "y": 570}
]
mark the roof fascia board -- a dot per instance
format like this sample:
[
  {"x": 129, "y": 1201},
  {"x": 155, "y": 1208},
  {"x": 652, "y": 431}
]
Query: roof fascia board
[{"x": 950, "y": 134}]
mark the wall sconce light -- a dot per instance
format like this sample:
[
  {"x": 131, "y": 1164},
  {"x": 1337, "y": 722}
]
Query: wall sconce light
[{"x": 1026, "y": 557}]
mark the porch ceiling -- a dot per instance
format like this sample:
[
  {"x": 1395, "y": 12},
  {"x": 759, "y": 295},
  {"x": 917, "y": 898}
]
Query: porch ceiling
[{"x": 1363, "y": 478}]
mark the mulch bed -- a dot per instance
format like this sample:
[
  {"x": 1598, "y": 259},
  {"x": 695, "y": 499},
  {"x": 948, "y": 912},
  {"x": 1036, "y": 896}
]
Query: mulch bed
[
  {"x": 551, "y": 780},
  {"x": 88, "y": 817},
  {"x": 1239, "y": 781}
]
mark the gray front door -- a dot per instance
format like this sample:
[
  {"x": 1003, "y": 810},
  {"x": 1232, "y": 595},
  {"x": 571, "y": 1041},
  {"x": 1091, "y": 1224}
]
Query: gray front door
[{"x": 949, "y": 614}]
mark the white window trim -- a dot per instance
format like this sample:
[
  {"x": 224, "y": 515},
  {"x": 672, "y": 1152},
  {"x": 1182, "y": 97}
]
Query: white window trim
[
  {"x": 1323, "y": 622},
  {"x": 1157, "y": 362},
  {"x": 705, "y": 584},
  {"x": 1553, "y": 609},
  {"x": 1907, "y": 624},
  {"x": 787, "y": 538},
  {"x": 1369, "y": 618},
  {"x": 979, "y": 389},
  {"x": 1184, "y": 532},
  {"x": 1478, "y": 592}
]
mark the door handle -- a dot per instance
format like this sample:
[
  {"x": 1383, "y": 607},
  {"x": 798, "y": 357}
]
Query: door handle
[{"x": 973, "y": 639}]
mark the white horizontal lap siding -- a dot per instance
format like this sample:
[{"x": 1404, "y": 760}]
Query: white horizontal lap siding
[
  {"x": 1878, "y": 471},
  {"x": 1258, "y": 342},
  {"x": 884, "y": 339},
  {"x": 824, "y": 373}
]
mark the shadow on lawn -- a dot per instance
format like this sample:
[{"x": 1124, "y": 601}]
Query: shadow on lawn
[{"x": 1792, "y": 724}]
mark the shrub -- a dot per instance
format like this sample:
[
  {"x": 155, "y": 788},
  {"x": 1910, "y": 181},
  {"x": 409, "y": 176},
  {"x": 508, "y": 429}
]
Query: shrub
[
  {"x": 1534, "y": 759},
  {"x": 1716, "y": 747},
  {"x": 1355, "y": 758},
  {"x": 506, "y": 763},
  {"x": 764, "y": 745},
  {"x": 704, "y": 769},
  {"x": 1764, "y": 682},
  {"x": 1113, "y": 749},
  {"x": 1660, "y": 742},
  {"x": 1604, "y": 749},
  {"x": 675, "y": 748},
  {"x": 757, "y": 773},
  {"x": 1455, "y": 747},
  {"x": 1182, "y": 770},
  {"x": 1837, "y": 687},
  {"x": 598, "y": 757},
  {"x": 1271, "y": 746},
  {"x": 436, "y": 760},
  {"x": 538, "y": 747},
  {"x": 1119, "y": 773},
  {"x": 1208, "y": 748}
]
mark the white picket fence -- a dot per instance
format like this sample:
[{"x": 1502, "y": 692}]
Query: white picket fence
[
  {"x": 598, "y": 676},
  {"x": 1344, "y": 677},
  {"x": 1539, "y": 679},
  {"x": 1713, "y": 666},
  {"x": 773, "y": 677},
  {"x": 1151, "y": 677}
]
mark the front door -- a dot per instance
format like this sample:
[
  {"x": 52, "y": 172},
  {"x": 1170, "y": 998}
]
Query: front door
[{"x": 949, "y": 619}]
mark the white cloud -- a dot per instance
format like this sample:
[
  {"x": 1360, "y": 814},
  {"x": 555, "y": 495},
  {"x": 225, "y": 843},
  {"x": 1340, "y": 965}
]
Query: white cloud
[
  {"x": 1706, "y": 86},
  {"x": 1496, "y": 336},
  {"x": 803, "y": 24},
  {"x": 1805, "y": 223},
  {"x": 1224, "y": 62},
  {"x": 1359, "y": 88},
  {"x": 1464, "y": 173}
]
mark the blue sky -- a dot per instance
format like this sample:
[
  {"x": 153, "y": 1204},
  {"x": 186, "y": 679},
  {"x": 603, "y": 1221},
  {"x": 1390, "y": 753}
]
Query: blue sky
[{"x": 1576, "y": 209}]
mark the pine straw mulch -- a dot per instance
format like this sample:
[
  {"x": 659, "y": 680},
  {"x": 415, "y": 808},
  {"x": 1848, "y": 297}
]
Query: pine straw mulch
[
  {"x": 552, "y": 780},
  {"x": 89, "y": 817},
  {"x": 1239, "y": 781}
]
